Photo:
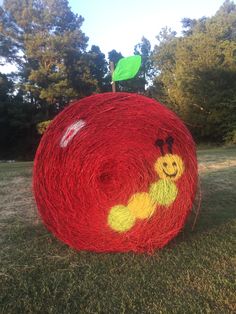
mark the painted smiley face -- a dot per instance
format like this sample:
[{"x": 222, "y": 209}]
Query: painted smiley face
[{"x": 169, "y": 166}]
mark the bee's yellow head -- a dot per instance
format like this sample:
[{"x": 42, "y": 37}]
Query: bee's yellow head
[{"x": 168, "y": 166}]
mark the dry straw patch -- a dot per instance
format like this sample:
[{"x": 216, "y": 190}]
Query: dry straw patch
[{"x": 17, "y": 199}]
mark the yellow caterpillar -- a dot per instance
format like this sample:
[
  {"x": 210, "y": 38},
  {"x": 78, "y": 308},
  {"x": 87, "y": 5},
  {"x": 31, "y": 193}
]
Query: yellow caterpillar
[{"x": 169, "y": 167}]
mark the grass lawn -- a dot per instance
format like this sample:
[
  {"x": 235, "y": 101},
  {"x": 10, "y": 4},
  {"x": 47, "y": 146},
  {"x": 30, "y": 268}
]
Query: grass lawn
[{"x": 195, "y": 273}]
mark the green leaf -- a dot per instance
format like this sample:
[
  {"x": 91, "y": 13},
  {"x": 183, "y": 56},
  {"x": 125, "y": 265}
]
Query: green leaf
[{"x": 127, "y": 68}]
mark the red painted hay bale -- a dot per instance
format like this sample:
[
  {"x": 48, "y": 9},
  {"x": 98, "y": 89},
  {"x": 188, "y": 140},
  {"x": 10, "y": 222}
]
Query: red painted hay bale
[{"x": 115, "y": 172}]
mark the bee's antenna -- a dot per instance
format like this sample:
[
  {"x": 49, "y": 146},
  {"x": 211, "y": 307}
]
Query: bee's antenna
[
  {"x": 160, "y": 144},
  {"x": 169, "y": 142}
]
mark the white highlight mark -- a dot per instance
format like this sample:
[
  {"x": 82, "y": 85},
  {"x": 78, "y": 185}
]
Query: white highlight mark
[{"x": 71, "y": 131}]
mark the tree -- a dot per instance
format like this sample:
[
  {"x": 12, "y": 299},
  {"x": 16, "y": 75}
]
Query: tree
[
  {"x": 18, "y": 137},
  {"x": 44, "y": 37},
  {"x": 52, "y": 42},
  {"x": 193, "y": 25},
  {"x": 98, "y": 69},
  {"x": 8, "y": 45},
  {"x": 146, "y": 72},
  {"x": 164, "y": 62},
  {"x": 197, "y": 73},
  {"x": 227, "y": 8}
]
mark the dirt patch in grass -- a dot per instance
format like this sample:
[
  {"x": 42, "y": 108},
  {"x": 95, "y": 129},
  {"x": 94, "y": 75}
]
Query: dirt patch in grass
[{"x": 211, "y": 165}]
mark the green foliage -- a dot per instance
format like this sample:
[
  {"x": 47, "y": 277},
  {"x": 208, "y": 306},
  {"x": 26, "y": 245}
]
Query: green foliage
[
  {"x": 6, "y": 87},
  {"x": 42, "y": 126},
  {"x": 99, "y": 69},
  {"x": 58, "y": 68},
  {"x": 18, "y": 136},
  {"x": 147, "y": 71},
  {"x": 8, "y": 46},
  {"x": 164, "y": 61},
  {"x": 230, "y": 137},
  {"x": 197, "y": 72}
]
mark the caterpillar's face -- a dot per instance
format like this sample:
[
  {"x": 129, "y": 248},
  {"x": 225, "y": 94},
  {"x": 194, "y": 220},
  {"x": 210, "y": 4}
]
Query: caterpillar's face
[{"x": 169, "y": 166}]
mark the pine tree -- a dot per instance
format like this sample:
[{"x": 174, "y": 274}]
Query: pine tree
[{"x": 53, "y": 47}]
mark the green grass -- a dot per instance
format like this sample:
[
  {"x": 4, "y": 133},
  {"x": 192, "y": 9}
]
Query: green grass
[{"x": 195, "y": 273}]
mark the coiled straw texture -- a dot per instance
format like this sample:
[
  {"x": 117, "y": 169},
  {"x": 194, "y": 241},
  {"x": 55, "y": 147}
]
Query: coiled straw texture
[{"x": 115, "y": 172}]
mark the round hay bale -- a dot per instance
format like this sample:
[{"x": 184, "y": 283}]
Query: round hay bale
[{"x": 115, "y": 172}]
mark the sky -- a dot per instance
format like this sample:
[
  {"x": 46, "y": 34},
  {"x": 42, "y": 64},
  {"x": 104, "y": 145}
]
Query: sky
[{"x": 121, "y": 24}]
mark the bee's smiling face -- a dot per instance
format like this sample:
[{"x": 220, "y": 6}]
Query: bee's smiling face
[{"x": 169, "y": 166}]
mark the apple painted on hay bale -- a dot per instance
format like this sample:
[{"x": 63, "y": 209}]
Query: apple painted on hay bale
[{"x": 115, "y": 172}]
